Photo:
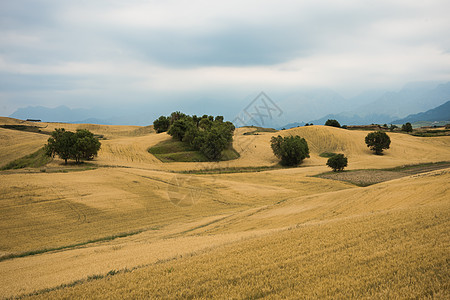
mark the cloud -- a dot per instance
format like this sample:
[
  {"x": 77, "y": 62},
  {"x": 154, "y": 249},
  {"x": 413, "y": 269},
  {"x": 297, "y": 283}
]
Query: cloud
[{"x": 107, "y": 49}]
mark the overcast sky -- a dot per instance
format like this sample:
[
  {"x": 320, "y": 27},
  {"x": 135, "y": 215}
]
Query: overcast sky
[{"x": 102, "y": 52}]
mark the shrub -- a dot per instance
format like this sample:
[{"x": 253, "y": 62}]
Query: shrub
[
  {"x": 292, "y": 150},
  {"x": 407, "y": 127},
  {"x": 331, "y": 122},
  {"x": 337, "y": 162},
  {"x": 377, "y": 141}
]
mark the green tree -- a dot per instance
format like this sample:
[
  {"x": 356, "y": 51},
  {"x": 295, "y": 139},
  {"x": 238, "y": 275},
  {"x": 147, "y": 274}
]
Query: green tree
[
  {"x": 214, "y": 143},
  {"x": 61, "y": 143},
  {"x": 332, "y": 122},
  {"x": 161, "y": 124},
  {"x": 377, "y": 141},
  {"x": 292, "y": 150},
  {"x": 86, "y": 145},
  {"x": 337, "y": 162},
  {"x": 407, "y": 127},
  {"x": 179, "y": 128}
]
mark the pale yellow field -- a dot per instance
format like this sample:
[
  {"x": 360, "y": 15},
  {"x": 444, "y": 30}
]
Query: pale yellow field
[{"x": 277, "y": 233}]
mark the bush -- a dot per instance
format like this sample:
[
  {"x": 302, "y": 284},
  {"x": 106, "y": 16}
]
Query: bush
[
  {"x": 407, "y": 127},
  {"x": 292, "y": 150},
  {"x": 337, "y": 162},
  {"x": 377, "y": 141},
  {"x": 331, "y": 122}
]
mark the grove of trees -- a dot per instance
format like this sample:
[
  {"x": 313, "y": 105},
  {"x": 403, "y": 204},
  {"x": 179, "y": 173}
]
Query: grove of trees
[
  {"x": 79, "y": 145},
  {"x": 377, "y": 141},
  {"x": 292, "y": 150},
  {"x": 207, "y": 134},
  {"x": 337, "y": 162},
  {"x": 332, "y": 122}
]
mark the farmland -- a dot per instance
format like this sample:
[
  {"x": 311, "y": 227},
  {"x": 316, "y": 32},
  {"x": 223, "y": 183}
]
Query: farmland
[{"x": 128, "y": 225}]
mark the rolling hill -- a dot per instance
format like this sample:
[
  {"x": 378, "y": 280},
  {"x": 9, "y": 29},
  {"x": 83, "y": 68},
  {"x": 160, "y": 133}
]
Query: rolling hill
[{"x": 127, "y": 225}]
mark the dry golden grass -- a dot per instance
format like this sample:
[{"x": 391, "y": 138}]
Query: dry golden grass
[
  {"x": 16, "y": 144},
  {"x": 277, "y": 233},
  {"x": 394, "y": 253}
]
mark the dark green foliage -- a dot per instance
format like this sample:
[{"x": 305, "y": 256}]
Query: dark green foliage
[
  {"x": 179, "y": 128},
  {"x": 62, "y": 143},
  {"x": 392, "y": 127},
  {"x": 292, "y": 150},
  {"x": 86, "y": 145},
  {"x": 161, "y": 124},
  {"x": 407, "y": 127},
  {"x": 377, "y": 141},
  {"x": 207, "y": 134},
  {"x": 337, "y": 162},
  {"x": 82, "y": 145},
  {"x": 332, "y": 122}
]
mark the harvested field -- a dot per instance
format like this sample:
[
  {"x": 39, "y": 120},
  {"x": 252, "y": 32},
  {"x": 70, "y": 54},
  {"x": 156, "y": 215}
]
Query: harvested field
[
  {"x": 369, "y": 177},
  {"x": 127, "y": 225}
]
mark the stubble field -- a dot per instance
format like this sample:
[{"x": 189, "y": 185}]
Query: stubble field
[{"x": 134, "y": 227}]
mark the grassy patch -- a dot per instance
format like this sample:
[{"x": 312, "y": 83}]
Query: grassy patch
[
  {"x": 34, "y": 160},
  {"x": 232, "y": 170},
  {"x": 177, "y": 151},
  {"x": 431, "y": 132},
  {"x": 40, "y": 251},
  {"x": 368, "y": 177},
  {"x": 258, "y": 130},
  {"x": 327, "y": 154}
]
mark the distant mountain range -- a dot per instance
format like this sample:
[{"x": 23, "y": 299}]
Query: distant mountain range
[
  {"x": 300, "y": 107},
  {"x": 440, "y": 113}
]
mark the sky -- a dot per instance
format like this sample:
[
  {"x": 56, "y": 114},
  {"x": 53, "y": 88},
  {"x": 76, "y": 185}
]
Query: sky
[{"x": 100, "y": 53}]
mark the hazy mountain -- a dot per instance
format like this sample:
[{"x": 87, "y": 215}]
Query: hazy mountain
[
  {"x": 305, "y": 105},
  {"x": 58, "y": 114},
  {"x": 291, "y": 125},
  {"x": 440, "y": 113},
  {"x": 384, "y": 107},
  {"x": 354, "y": 119},
  {"x": 411, "y": 99}
]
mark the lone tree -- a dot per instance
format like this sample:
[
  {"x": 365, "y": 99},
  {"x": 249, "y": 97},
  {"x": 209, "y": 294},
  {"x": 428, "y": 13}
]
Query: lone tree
[
  {"x": 407, "y": 127},
  {"x": 292, "y": 150},
  {"x": 377, "y": 141},
  {"x": 82, "y": 145},
  {"x": 337, "y": 162},
  {"x": 332, "y": 122}
]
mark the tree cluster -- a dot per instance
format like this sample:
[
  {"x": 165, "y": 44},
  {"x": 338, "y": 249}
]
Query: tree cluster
[
  {"x": 292, "y": 150},
  {"x": 333, "y": 123},
  {"x": 79, "y": 145},
  {"x": 207, "y": 134}
]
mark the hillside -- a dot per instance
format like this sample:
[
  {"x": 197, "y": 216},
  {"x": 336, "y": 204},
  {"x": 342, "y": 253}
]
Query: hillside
[{"x": 127, "y": 225}]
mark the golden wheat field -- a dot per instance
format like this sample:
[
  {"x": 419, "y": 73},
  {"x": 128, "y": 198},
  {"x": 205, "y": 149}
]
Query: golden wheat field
[{"x": 126, "y": 225}]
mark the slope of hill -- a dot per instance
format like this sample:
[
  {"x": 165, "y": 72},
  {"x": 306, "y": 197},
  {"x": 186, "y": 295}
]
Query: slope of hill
[
  {"x": 135, "y": 227},
  {"x": 440, "y": 113}
]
